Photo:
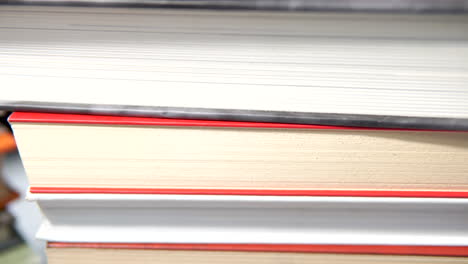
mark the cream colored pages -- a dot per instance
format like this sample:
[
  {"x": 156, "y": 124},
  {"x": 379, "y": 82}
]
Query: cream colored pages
[
  {"x": 68, "y": 155},
  {"x": 104, "y": 256}
]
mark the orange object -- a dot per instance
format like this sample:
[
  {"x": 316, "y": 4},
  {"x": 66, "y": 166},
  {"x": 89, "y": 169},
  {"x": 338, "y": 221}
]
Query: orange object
[
  {"x": 10, "y": 196},
  {"x": 7, "y": 142}
]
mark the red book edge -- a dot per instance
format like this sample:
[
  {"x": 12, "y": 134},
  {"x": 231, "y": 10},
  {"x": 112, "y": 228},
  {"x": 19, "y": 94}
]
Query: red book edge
[
  {"x": 145, "y": 121},
  {"x": 460, "y": 251},
  {"x": 257, "y": 192},
  {"x": 33, "y": 117}
]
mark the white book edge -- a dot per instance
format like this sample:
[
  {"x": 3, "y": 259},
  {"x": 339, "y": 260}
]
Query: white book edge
[{"x": 109, "y": 218}]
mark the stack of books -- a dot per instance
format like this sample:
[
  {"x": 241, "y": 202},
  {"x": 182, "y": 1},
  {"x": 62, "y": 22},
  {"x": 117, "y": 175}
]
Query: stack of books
[
  {"x": 226, "y": 136},
  {"x": 269, "y": 66},
  {"x": 190, "y": 191}
]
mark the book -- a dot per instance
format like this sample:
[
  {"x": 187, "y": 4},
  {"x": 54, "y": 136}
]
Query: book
[
  {"x": 70, "y": 253},
  {"x": 458, "y": 6},
  {"x": 260, "y": 66},
  {"x": 86, "y": 153},
  {"x": 250, "y": 219}
]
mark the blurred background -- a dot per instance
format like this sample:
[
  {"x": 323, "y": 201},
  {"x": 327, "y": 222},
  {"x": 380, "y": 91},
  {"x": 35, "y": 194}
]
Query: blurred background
[{"x": 19, "y": 219}]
